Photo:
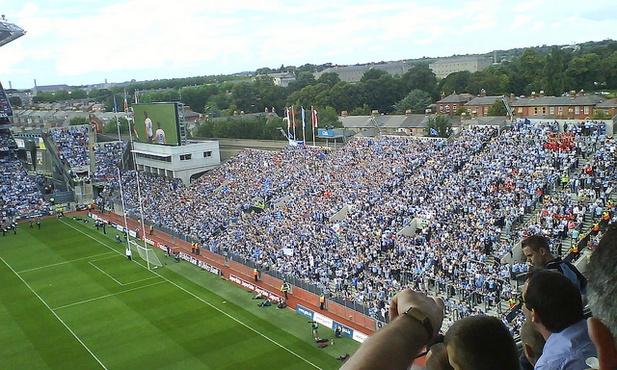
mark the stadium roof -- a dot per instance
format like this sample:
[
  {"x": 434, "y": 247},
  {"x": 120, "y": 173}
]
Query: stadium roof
[{"x": 9, "y": 32}]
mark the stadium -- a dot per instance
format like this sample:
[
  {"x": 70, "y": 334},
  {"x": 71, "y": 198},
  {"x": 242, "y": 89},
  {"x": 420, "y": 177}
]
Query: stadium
[{"x": 343, "y": 230}]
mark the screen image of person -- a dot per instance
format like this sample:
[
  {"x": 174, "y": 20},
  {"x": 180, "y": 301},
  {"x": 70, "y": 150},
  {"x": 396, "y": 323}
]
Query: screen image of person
[
  {"x": 148, "y": 127},
  {"x": 160, "y": 134}
]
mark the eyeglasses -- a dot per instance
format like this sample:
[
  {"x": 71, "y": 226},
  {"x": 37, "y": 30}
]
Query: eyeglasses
[{"x": 521, "y": 301}]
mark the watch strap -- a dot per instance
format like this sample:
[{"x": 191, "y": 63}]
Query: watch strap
[{"x": 421, "y": 317}]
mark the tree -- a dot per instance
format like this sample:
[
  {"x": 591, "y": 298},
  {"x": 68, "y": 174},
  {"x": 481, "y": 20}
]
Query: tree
[
  {"x": 329, "y": 78},
  {"x": 373, "y": 74},
  {"x": 584, "y": 71},
  {"x": 498, "y": 109},
  {"x": 112, "y": 128},
  {"x": 490, "y": 80},
  {"x": 420, "y": 77},
  {"x": 529, "y": 69},
  {"x": 268, "y": 94},
  {"x": 455, "y": 82},
  {"x": 197, "y": 96},
  {"x": 75, "y": 121},
  {"x": 608, "y": 68},
  {"x": 555, "y": 78},
  {"x": 417, "y": 101},
  {"x": 382, "y": 89},
  {"x": 439, "y": 125},
  {"x": 303, "y": 79},
  {"x": 316, "y": 95},
  {"x": 244, "y": 97},
  {"x": 346, "y": 97}
]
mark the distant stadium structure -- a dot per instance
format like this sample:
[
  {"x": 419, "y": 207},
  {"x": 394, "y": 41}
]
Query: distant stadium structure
[{"x": 9, "y": 31}]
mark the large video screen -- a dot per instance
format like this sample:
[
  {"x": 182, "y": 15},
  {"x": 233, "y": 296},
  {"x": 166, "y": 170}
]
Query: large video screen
[{"x": 156, "y": 123}]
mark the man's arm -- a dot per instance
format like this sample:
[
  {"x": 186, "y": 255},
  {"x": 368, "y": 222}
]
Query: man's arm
[{"x": 396, "y": 345}]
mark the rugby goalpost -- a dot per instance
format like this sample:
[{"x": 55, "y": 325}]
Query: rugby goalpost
[{"x": 147, "y": 254}]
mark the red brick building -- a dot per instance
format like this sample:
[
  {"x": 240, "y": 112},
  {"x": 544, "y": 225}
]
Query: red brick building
[{"x": 571, "y": 106}]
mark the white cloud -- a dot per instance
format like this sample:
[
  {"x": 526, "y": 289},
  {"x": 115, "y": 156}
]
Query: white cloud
[{"x": 88, "y": 41}]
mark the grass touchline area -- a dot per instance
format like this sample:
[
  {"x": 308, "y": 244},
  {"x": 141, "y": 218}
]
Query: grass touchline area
[{"x": 73, "y": 300}]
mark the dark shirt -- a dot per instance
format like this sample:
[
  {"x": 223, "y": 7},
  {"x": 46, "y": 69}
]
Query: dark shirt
[{"x": 570, "y": 271}]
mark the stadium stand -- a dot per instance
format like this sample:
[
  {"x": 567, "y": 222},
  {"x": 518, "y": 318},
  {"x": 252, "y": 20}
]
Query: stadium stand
[
  {"x": 339, "y": 220},
  {"x": 360, "y": 223}
]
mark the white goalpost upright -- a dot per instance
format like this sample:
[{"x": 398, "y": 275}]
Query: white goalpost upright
[{"x": 145, "y": 252}]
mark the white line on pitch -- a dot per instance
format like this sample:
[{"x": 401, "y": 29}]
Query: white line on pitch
[
  {"x": 104, "y": 296},
  {"x": 62, "y": 263},
  {"x": 54, "y": 313},
  {"x": 205, "y": 302}
]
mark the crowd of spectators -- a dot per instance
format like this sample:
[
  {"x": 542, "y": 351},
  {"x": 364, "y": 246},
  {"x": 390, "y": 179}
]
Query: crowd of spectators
[
  {"x": 19, "y": 191},
  {"x": 466, "y": 192},
  {"x": 380, "y": 214},
  {"x": 73, "y": 145},
  {"x": 108, "y": 158},
  {"x": 6, "y": 140}
]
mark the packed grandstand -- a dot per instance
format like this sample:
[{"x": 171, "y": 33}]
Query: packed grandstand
[{"x": 361, "y": 222}]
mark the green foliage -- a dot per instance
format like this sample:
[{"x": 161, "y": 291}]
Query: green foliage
[
  {"x": 440, "y": 123},
  {"x": 598, "y": 114},
  {"x": 364, "y": 110},
  {"x": 460, "y": 110},
  {"x": 78, "y": 121},
  {"x": 112, "y": 128},
  {"x": 498, "y": 109},
  {"x": 491, "y": 80},
  {"x": 554, "y": 78},
  {"x": 257, "y": 128},
  {"x": 420, "y": 77},
  {"x": 329, "y": 78},
  {"x": 382, "y": 90},
  {"x": 521, "y": 71},
  {"x": 455, "y": 82},
  {"x": 417, "y": 101}
]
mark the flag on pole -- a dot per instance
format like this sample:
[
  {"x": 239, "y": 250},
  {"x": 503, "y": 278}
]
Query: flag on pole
[
  {"x": 115, "y": 105},
  {"x": 287, "y": 118},
  {"x": 303, "y": 124},
  {"x": 303, "y": 118},
  {"x": 293, "y": 116},
  {"x": 314, "y": 116}
]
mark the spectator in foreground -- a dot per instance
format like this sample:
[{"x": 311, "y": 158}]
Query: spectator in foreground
[
  {"x": 397, "y": 344},
  {"x": 481, "y": 343},
  {"x": 602, "y": 296},
  {"x": 553, "y": 304},
  {"x": 533, "y": 343},
  {"x": 538, "y": 254}
]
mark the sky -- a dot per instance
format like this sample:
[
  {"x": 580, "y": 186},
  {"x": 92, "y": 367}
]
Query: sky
[{"x": 88, "y": 42}]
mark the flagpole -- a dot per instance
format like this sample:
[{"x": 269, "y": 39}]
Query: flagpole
[
  {"x": 313, "y": 122},
  {"x": 313, "y": 125},
  {"x": 293, "y": 117},
  {"x": 303, "y": 125},
  {"x": 126, "y": 227},
  {"x": 288, "y": 119}
]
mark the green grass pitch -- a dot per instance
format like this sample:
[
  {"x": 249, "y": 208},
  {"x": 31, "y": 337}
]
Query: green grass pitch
[{"x": 71, "y": 300}]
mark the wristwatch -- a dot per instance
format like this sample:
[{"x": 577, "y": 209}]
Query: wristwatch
[{"x": 419, "y": 316}]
